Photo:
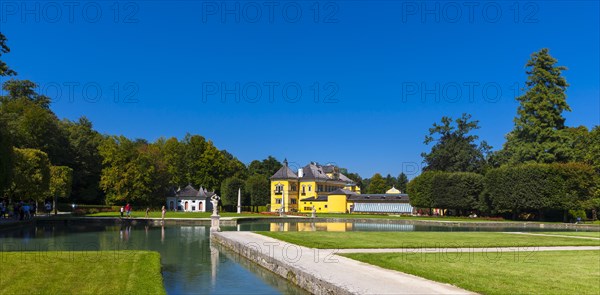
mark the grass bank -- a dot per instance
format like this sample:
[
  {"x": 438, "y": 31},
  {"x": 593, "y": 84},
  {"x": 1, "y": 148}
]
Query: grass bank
[
  {"x": 356, "y": 240},
  {"x": 89, "y": 272},
  {"x": 560, "y": 272},
  {"x": 153, "y": 214}
]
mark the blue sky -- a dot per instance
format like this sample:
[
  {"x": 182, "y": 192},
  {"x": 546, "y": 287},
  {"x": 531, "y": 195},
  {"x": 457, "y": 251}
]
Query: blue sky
[{"x": 385, "y": 70}]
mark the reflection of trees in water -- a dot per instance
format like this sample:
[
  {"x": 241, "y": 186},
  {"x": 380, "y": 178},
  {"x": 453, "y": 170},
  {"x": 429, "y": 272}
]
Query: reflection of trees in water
[{"x": 185, "y": 251}]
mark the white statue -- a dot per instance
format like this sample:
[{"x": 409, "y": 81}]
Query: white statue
[
  {"x": 215, "y": 201},
  {"x": 215, "y": 219}
]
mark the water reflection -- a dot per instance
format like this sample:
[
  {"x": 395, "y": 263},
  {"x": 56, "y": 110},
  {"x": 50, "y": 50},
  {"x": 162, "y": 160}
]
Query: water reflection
[
  {"x": 190, "y": 265},
  {"x": 375, "y": 226}
]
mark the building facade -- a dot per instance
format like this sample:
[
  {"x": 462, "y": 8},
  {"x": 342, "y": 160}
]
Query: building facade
[
  {"x": 289, "y": 187},
  {"x": 189, "y": 199},
  {"x": 325, "y": 189}
]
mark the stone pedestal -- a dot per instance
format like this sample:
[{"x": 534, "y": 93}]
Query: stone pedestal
[{"x": 215, "y": 223}]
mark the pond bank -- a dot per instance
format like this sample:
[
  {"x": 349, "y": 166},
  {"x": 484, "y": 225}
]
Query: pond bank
[
  {"x": 234, "y": 221},
  {"x": 323, "y": 272}
]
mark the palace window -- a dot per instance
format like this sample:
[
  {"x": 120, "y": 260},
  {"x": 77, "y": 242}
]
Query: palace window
[
  {"x": 303, "y": 189},
  {"x": 279, "y": 188},
  {"x": 293, "y": 187},
  {"x": 277, "y": 201},
  {"x": 309, "y": 187},
  {"x": 293, "y": 201}
]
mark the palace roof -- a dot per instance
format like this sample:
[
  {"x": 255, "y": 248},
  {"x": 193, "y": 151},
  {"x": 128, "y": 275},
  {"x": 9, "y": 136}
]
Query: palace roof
[
  {"x": 189, "y": 191},
  {"x": 284, "y": 173}
]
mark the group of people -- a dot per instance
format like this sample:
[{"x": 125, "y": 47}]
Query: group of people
[
  {"x": 126, "y": 211},
  {"x": 22, "y": 210}
]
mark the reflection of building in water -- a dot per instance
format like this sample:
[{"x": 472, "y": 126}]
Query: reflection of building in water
[
  {"x": 383, "y": 227},
  {"x": 311, "y": 226},
  {"x": 192, "y": 233}
]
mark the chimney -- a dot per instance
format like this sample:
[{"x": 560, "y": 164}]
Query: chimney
[{"x": 300, "y": 172}]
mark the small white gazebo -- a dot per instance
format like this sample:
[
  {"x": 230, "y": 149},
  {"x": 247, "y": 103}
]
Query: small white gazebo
[{"x": 189, "y": 199}]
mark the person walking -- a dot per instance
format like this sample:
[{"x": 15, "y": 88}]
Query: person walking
[
  {"x": 147, "y": 210},
  {"x": 128, "y": 210},
  {"x": 122, "y": 210}
]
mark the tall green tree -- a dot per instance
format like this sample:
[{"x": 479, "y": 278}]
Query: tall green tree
[
  {"x": 592, "y": 155},
  {"x": 86, "y": 160},
  {"x": 31, "y": 123},
  {"x": 132, "y": 172},
  {"x": 173, "y": 154},
  {"x": 6, "y": 147},
  {"x": 267, "y": 166},
  {"x": 420, "y": 190},
  {"x": 61, "y": 183},
  {"x": 31, "y": 175},
  {"x": 390, "y": 181},
  {"x": 6, "y": 156},
  {"x": 377, "y": 185},
  {"x": 536, "y": 137},
  {"x": 457, "y": 190},
  {"x": 229, "y": 191},
  {"x": 257, "y": 186},
  {"x": 455, "y": 149},
  {"x": 4, "y": 69},
  {"x": 402, "y": 182}
]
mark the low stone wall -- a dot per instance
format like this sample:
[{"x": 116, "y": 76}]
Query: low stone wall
[{"x": 293, "y": 274}]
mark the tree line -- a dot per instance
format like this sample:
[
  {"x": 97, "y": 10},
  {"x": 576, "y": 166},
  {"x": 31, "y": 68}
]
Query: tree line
[
  {"x": 544, "y": 167},
  {"x": 43, "y": 157}
]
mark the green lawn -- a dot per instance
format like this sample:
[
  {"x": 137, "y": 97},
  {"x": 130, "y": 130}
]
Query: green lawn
[
  {"x": 91, "y": 272},
  {"x": 560, "y": 272},
  {"x": 156, "y": 214},
  {"x": 591, "y": 234},
  {"x": 350, "y": 240}
]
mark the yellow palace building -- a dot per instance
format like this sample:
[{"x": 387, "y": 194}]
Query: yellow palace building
[{"x": 327, "y": 190}]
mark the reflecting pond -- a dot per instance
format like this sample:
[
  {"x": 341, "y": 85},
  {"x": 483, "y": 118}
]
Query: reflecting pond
[
  {"x": 375, "y": 226},
  {"x": 190, "y": 264}
]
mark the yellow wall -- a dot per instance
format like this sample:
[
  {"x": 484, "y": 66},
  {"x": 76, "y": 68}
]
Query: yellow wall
[
  {"x": 353, "y": 188},
  {"x": 287, "y": 192},
  {"x": 319, "y": 206},
  {"x": 308, "y": 194},
  {"x": 336, "y": 204}
]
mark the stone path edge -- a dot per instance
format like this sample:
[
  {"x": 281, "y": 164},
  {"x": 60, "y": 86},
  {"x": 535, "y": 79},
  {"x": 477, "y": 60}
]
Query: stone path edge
[
  {"x": 296, "y": 276},
  {"x": 334, "y": 277}
]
